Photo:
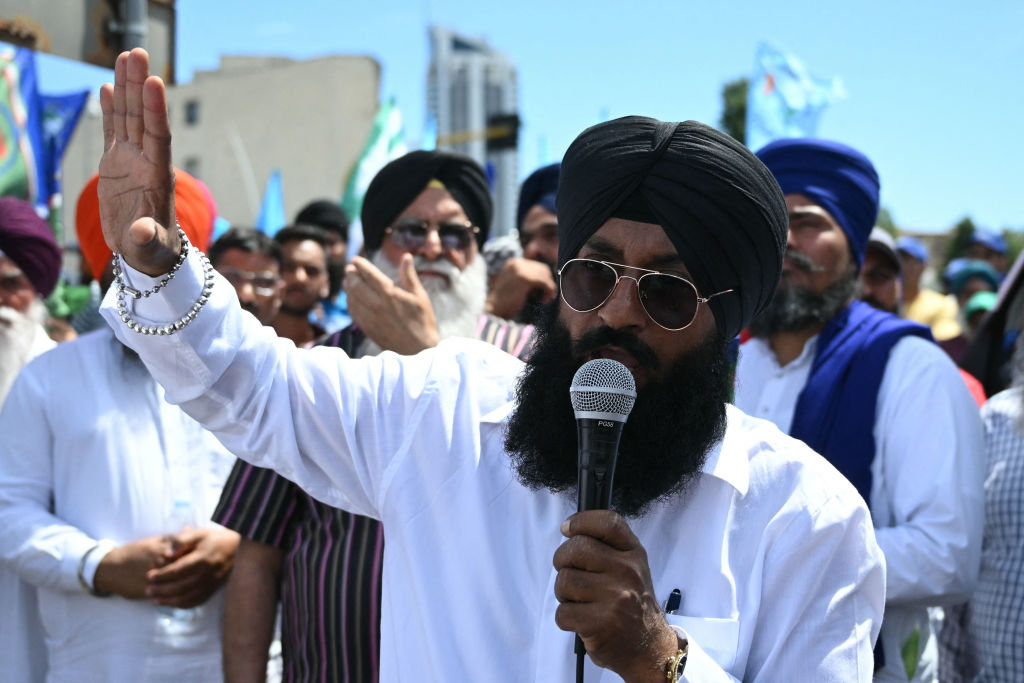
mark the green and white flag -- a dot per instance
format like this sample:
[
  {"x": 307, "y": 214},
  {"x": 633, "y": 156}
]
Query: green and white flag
[{"x": 385, "y": 143}]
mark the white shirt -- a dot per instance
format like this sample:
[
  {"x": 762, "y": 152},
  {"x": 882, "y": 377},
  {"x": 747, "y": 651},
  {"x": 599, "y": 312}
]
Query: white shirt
[
  {"x": 20, "y": 629},
  {"x": 926, "y": 492},
  {"x": 772, "y": 548},
  {"x": 91, "y": 451}
]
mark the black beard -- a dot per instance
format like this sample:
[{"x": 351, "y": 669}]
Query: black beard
[
  {"x": 795, "y": 308},
  {"x": 675, "y": 422},
  {"x": 295, "y": 312},
  {"x": 872, "y": 301}
]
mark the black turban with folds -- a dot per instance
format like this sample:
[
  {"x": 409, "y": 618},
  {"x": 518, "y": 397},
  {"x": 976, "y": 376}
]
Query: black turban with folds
[
  {"x": 718, "y": 204},
  {"x": 399, "y": 183}
]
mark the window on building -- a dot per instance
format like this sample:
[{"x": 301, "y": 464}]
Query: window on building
[
  {"x": 192, "y": 112},
  {"x": 191, "y": 166}
]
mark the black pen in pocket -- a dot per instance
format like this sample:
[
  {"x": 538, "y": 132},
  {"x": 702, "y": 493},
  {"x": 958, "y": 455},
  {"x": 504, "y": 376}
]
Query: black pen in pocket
[{"x": 675, "y": 600}]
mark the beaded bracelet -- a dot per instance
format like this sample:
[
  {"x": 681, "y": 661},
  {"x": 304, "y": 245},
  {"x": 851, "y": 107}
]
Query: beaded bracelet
[
  {"x": 136, "y": 294},
  {"x": 168, "y": 328}
]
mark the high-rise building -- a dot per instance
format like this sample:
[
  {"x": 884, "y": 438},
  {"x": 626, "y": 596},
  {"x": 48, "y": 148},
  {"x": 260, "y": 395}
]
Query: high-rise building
[{"x": 469, "y": 85}]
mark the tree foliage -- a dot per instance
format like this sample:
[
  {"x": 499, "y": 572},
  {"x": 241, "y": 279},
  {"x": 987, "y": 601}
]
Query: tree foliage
[
  {"x": 734, "y": 109},
  {"x": 960, "y": 238}
]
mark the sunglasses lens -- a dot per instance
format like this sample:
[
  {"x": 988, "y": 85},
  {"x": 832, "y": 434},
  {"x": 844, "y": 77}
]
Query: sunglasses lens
[
  {"x": 409, "y": 234},
  {"x": 586, "y": 284},
  {"x": 670, "y": 301},
  {"x": 454, "y": 236}
]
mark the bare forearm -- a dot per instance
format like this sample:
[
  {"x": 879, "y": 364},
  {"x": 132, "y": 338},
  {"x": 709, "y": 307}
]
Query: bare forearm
[{"x": 249, "y": 611}]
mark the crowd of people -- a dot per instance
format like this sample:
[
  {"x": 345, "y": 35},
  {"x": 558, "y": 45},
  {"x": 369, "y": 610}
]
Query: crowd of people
[{"x": 200, "y": 485}]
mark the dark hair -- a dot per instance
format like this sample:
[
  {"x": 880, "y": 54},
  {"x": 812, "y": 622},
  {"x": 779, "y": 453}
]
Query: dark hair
[
  {"x": 249, "y": 240},
  {"x": 300, "y": 232},
  {"x": 326, "y": 214}
]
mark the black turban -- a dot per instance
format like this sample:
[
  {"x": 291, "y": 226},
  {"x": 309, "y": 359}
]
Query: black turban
[
  {"x": 540, "y": 190},
  {"x": 400, "y": 182},
  {"x": 28, "y": 240},
  {"x": 718, "y": 204},
  {"x": 326, "y": 214}
]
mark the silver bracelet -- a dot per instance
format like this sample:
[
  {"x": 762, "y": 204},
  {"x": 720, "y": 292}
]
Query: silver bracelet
[
  {"x": 136, "y": 294},
  {"x": 168, "y": 328}
]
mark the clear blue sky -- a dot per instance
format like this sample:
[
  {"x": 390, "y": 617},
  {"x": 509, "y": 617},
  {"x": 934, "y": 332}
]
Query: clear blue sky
[{"x": 936, "y": 90}]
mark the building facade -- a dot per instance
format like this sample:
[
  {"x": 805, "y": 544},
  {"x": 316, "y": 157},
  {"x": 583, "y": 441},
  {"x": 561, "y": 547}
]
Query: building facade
[
  {"x": 233, "y": 126},
  {"x": 468, "y": 82}
]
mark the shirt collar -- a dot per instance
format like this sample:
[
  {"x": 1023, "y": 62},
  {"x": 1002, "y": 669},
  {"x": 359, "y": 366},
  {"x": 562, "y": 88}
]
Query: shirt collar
[{"x": 727, "y": 460}]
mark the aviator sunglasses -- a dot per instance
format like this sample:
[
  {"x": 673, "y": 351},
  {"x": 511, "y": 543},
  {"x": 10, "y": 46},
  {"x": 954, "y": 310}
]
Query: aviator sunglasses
[
  {"x": 411, "y": 234},
  {"x": 670, "y": 301}
]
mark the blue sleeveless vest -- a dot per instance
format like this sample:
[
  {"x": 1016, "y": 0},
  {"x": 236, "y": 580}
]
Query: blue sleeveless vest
[{"x": 835, "y": 412}]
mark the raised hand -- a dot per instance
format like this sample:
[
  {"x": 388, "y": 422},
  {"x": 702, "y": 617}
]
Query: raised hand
[
  {"x": 606, "y": 595},
  {"x": 396, "y": 316},
  {"x": 518, "y": 280},
  {"x": 136, "y": 184}
]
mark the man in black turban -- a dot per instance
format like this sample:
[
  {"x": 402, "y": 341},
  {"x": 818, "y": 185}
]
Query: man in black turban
[
  {"x": 425, "y": 217},
  {"x": 733, "y": 551},
  {"x": 521, "y": 285}
]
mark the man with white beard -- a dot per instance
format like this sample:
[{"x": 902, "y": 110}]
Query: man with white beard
[
  {"x": 424, "y": 280},
  {"x": 29, "y": 268}
]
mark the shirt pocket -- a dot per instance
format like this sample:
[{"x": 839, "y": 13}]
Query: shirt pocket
[{"x": 718, "y": 637}]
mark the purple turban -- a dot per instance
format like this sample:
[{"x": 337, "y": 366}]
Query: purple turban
[
  {"x": 717, "y": 203},
  {"x": 837, "y": 178},
  {"x": 27, "y": 239}
]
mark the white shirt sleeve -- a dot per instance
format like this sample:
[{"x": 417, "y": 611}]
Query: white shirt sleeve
[
  {"x": 927, "y": 493},
  {"x": 43, "y": 549},
  {"x": 331, "y": 424}
]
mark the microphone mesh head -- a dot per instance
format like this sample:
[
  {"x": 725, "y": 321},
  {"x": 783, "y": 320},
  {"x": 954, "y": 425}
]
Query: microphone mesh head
[{"x": 603, "y": 386}]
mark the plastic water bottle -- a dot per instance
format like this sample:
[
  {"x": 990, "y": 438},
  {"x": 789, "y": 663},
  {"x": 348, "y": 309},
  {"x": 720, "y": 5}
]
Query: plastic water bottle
[{"x": 178, "y": 626}]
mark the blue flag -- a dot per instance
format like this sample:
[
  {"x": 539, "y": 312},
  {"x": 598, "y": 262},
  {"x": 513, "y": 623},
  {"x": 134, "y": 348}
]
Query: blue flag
[
  {"x": 60, "y": 114},
  {"x": 272, "y": 216},
  {"x": 784, "y": 99},
  {"x": 22, "y": 169}
]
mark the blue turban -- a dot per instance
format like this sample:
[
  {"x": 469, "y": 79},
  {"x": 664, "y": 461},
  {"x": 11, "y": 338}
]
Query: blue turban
[
  {"x": 837, "y": 178},
  {"x": 540, "y": 189}
]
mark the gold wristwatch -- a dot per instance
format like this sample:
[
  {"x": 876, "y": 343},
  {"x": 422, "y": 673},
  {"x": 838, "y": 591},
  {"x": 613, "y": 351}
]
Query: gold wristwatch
[{"x": 676, "y": 664}]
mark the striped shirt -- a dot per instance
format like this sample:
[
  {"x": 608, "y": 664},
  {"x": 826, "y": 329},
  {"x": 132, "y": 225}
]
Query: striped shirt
[{"x": 331, "y": 569}]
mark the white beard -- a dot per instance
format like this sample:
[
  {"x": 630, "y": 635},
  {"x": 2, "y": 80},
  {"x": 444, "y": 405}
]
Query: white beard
[
  {"x": 458, "y": 303},
  {"x": 18, "y": 333}
]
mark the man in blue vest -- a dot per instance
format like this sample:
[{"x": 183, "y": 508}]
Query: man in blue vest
[{"x": 873, "y": 394}]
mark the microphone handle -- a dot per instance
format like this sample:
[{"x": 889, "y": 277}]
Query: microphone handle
[
  {"x": 598, "y": 449},
  {"x": 598, "y": 442}
]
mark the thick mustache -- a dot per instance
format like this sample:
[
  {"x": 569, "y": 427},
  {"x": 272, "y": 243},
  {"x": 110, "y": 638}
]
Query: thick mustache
[
  {"x": 804, "y": 262},
  {"x": 631, "y": 344}
]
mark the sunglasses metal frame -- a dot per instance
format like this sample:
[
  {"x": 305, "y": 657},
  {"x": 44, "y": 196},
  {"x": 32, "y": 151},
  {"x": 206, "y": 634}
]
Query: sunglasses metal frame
[
  {"x": 470, "y": 231},
  {"x": 614, "y": 267}
]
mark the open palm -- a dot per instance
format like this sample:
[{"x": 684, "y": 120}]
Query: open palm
[{"x": 136, "y": 183}]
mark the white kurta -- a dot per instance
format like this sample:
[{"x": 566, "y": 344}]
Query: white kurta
[
  {"x": 20, "y": 629},
  {"x": 772, "y": 549},
  {"x": 926, "y": 495},
  {"x": 91, "y": 451}
]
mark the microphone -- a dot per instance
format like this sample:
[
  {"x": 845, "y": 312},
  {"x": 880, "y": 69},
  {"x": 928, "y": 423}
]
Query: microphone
[{"x": 603, "y": 393}]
